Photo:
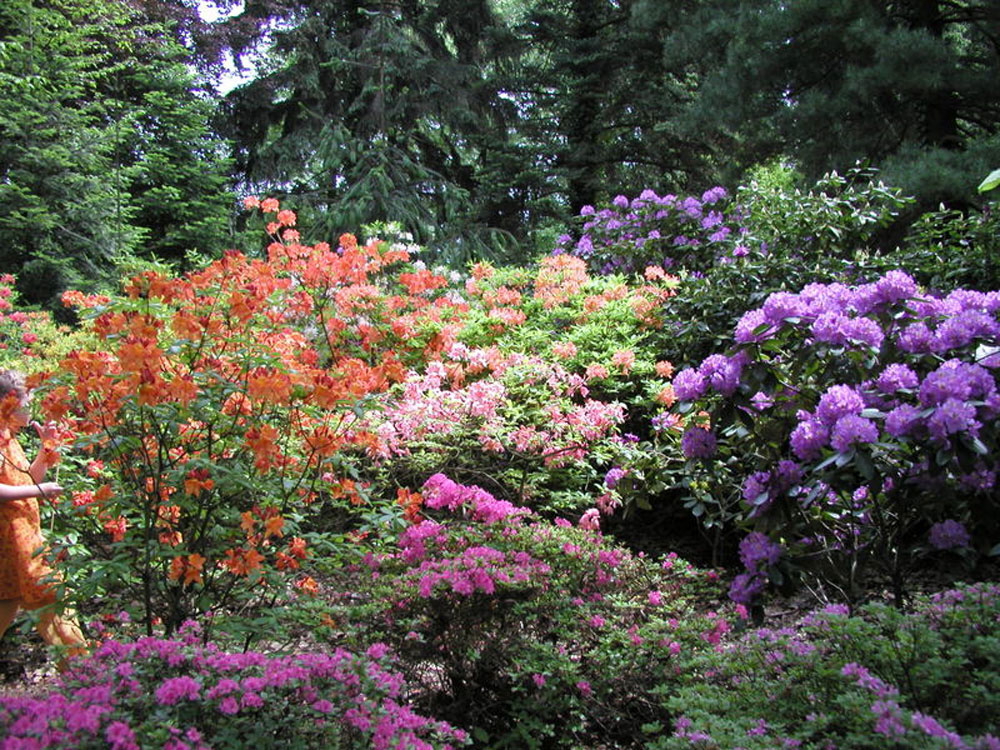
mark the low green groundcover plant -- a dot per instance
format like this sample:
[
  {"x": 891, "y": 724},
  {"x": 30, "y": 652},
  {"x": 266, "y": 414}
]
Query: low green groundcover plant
[{"x": 883, "y": 678}]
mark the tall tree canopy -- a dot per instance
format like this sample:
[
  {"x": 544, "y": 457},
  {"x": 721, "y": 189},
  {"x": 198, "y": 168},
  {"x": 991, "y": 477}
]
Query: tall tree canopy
[
  {"x": 373, "y": 111},
  {"x": 458, "y": 115},
  {"x": 908, "y": 85},
  {"x": 601, "y": 101},
  {"x": 105, "y": 149},
  {"x": 473, "y": 123}
]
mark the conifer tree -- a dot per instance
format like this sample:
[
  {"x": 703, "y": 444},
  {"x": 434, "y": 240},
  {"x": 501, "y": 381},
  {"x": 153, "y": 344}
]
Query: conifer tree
[
  {"x": 907, "y": 85},
  {"x": 63, "y": 215},
  {"x": 105, "y": 150},
  {"x": 370, "y": 111},
  {"x": 593, "y": 77}
]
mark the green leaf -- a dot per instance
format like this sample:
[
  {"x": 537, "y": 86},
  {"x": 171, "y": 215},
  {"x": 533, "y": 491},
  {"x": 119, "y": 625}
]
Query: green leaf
[
  {"x": 844, "y": 458},
  {"x": 865, "y": 465},
  {"x": 991, "y": 181},
  {"x": 979, "y": 447}
]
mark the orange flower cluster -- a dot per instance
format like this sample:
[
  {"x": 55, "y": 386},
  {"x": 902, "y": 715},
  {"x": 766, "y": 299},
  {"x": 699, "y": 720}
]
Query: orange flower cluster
[
  {"x": 242, "y": 374},
  {"x": 168, "y": 518},
  {"x": 559, "y": 278},
  {"x": 421, "y": 281},
  {"x": 209, "y": 324},
  {"x": 307, "y": 585},
  {"x": 262, "y": 527},
  {"x": 411, "y": 502},
  {"x": 187, "y": 569},
  {"x": 198, "y": 481},
  {"x": 665, "y": 396}
]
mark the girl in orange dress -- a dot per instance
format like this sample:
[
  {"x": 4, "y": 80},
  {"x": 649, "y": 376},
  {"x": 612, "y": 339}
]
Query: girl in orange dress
[{"x": 24, "y": 575}]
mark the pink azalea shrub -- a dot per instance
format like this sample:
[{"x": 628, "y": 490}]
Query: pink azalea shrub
[
  {"x": 528, "y": 423},
  {"x": 29, "y": 339},
  {"x": 537, "y": 398},
  {"x": 527, "y": 633},
  {"x": 181, "y": 695}
]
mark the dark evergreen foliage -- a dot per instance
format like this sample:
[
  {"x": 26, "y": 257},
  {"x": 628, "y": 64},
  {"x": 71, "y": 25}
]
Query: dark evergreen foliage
[
  {"x": 375, "y": 111},
  {"x": 481, "y": 127},
  {"x": 907, "y": 85},
  {"x": 104, "y": 147}
]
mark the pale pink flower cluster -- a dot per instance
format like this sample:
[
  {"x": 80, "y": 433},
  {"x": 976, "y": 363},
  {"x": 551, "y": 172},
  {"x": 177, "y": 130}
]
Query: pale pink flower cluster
[
  {"x": 624, "y": 360},
  {"x": 427, "y": 407},
  {"x": 564, "y": 349},
  {"x": 435, "y": 404}
]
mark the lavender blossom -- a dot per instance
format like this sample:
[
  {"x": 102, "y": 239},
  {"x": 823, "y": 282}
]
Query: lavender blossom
[
  {"x": 698, "y": 442},
  {"x": 897, "y": 377},
  {"x": 613, "y": 477},
  {"x": 689, "y": 385},
  {"x": 851, "y": 430},
  {"x": 951, "y": 417},
  {"x": 720, "y": 372},
  {"x": 758, "y": 552},
  {"x": 948, "y": 534},
  {"x": 902, "y": 420},
  {"x": 837, "y": 402},
  {"x": 808, "y": 438},
  {"x": 748, "y": 324},
  {"x": 746, "y": 587},
  {"x": 781, "y": 305}
]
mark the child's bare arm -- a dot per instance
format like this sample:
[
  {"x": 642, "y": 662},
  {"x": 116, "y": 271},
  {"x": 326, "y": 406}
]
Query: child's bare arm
[
  {"x": 23, "y": 492},
  {"x": 46, "y": 434}
]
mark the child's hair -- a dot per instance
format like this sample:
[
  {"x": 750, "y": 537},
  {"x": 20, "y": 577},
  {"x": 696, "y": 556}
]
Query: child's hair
[{"x": 12, "y": 381}]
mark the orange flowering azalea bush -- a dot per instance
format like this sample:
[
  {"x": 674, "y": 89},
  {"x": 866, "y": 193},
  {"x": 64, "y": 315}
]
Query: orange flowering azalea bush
[
  {"x": 222, "y": 423},
  {"x": 218, "y": 413}
]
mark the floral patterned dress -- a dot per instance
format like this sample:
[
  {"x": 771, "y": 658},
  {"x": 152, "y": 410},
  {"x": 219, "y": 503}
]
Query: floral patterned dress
[{"x": 21, "y": 571}]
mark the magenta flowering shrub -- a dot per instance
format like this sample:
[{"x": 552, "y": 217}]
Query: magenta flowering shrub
[
  {"x": 858, "y": 424},
  {"x": 672, "y": 231},
  {"x": 29, "y": 339},
  {"x": 524, "y": 632},
  {"x": 925, "y": 678},
  {"x": 181, "y": 695}
]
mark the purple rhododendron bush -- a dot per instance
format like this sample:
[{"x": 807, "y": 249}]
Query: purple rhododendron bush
[
  {"x": 707, "y": 476},
  {"x": 859, "y": 424}
]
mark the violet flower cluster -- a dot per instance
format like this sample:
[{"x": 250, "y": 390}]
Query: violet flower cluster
[
  {"x": 757, "y": 553},
  {"x": 671, "y": 231},
  {"x": 894, "y": 722},
  {"x": 802, "y": 660},
  {"x": 905, "y": 379}
]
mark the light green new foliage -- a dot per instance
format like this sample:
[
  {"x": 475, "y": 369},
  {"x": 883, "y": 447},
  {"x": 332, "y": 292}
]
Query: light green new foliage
[{"x": 991, "y": 182}]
